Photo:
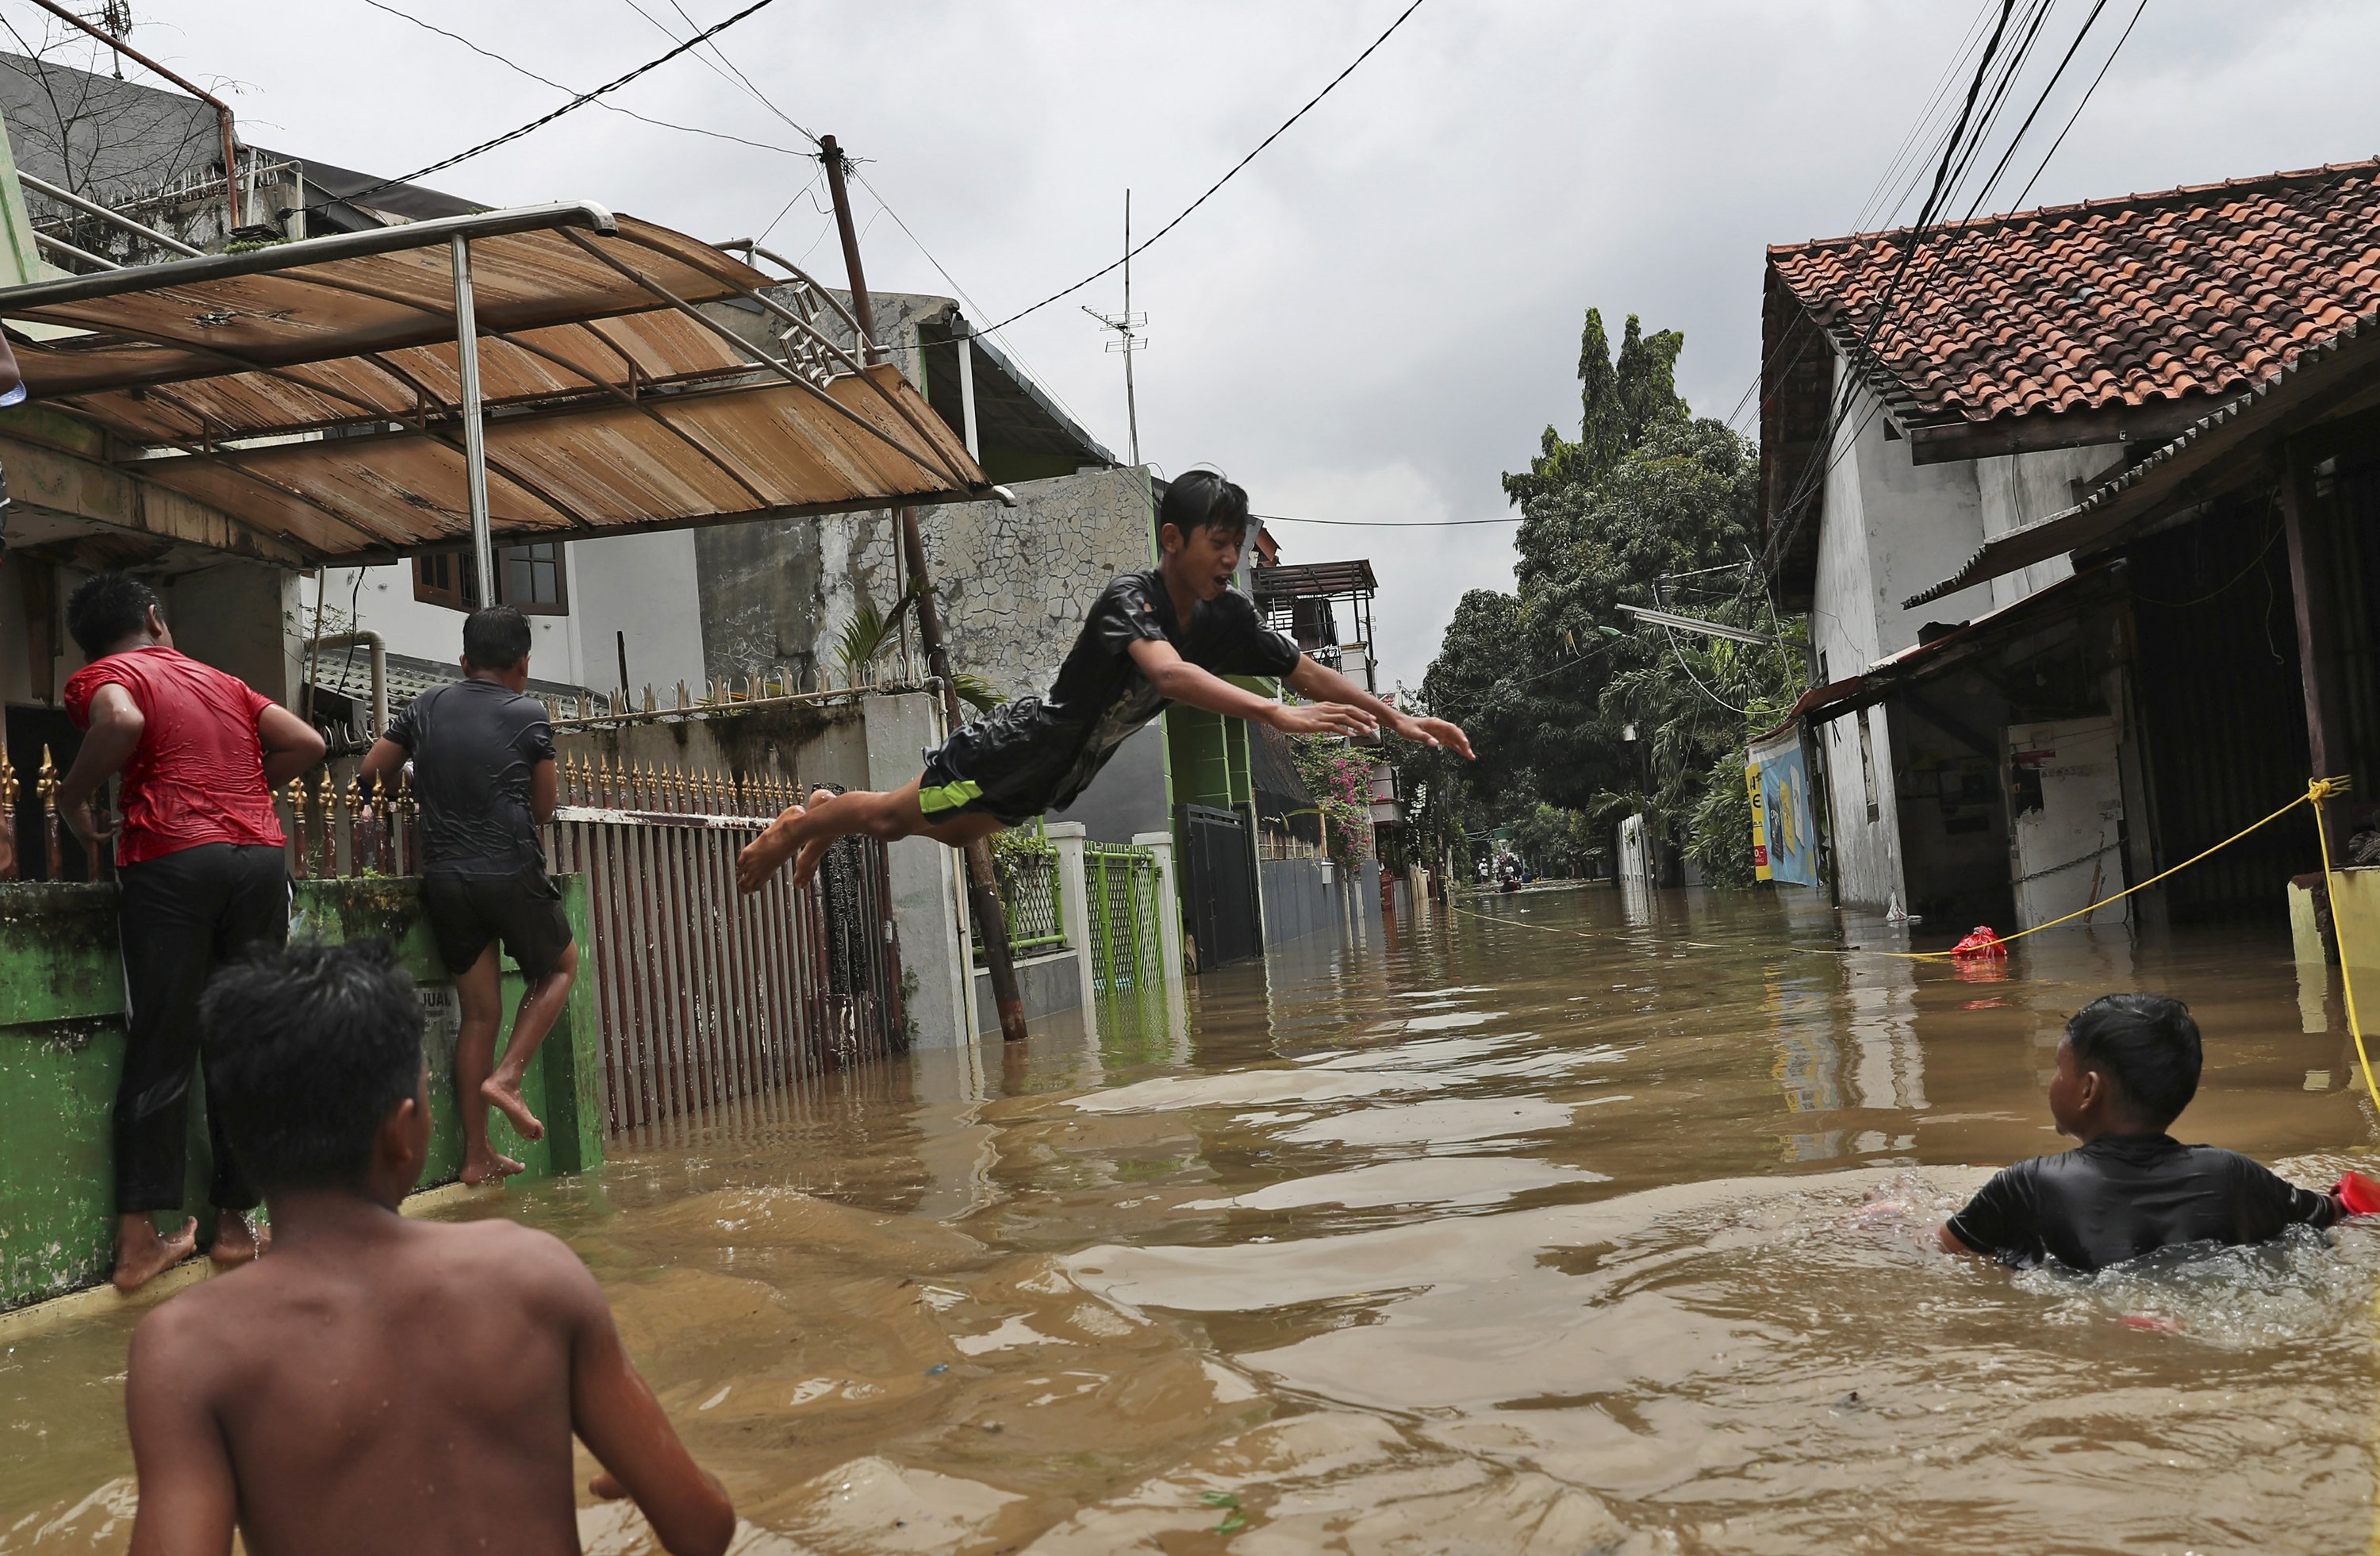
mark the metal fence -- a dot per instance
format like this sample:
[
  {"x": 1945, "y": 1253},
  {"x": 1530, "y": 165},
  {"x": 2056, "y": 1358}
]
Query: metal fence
[
  {"x": 706, "y": 997},
  {"x": 1127, "y": 950},
  {"x": 1026, "y": 865}
]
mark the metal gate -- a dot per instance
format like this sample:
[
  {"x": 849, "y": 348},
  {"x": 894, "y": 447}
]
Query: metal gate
[
  {"x": 706, "y": 997},
  {"x": 1218, "y": 893}
]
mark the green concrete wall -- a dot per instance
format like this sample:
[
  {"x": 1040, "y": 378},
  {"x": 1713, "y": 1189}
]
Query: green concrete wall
[{"x": 62, "y": 1047}]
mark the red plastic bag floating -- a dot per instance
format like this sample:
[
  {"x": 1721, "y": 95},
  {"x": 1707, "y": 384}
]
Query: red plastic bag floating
[
  {"x": 1984, "y": 945},
  {"x": 2359, "y": 1193}
]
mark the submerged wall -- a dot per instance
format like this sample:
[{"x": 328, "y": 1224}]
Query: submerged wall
[{"x": 62, "y": 1049}]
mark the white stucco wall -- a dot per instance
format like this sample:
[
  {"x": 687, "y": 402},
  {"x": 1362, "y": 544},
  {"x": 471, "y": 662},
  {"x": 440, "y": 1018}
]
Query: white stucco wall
[
  {"x": 643, "y": 585},
  {"x": 2018, "y": 489}
]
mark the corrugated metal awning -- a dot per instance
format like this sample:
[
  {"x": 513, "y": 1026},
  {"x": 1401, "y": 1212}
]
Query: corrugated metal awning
[
  {"x": 2177, "y": 472},
  {"x": 313, "y": 389}
]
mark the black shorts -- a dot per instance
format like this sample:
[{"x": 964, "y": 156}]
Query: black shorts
[
  {"x": 1012, "y": 764},
  {"x": 523, "y": 911}
]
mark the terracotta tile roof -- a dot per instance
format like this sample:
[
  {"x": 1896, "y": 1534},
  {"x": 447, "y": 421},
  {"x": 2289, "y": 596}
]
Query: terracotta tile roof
[{"x": 2111, "y": 303}]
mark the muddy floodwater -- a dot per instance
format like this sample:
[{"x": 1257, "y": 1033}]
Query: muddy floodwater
[{"x": 1564, "y": 1224}]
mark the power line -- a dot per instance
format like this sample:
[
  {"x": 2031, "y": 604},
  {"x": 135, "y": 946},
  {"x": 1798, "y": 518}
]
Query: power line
[
  {"x": 2087, "y": 93},
  {"x": 520, "y": 69},
  {"x": 543, "y": 120},
  {"x": 1219, "y": 183},
  {"x": 1390, "y": 523}
]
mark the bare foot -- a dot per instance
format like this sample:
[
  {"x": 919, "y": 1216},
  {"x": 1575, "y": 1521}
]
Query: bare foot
[
  {"x": 238, "y": 1239},
  {"x": 504, "y": 1097},
  {"x": 494, "y": 1168},
  {"x": 141, "y": 1259},
  {"x": 813, "y": 855},
  {"x": 762, "y": 855}
]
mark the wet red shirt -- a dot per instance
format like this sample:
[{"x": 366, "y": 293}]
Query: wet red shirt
[{"x": 198, "y": 774}]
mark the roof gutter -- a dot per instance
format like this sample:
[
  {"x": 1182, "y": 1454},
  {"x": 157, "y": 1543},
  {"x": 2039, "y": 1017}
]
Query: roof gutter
[
  {"x": 311, "y": 250},
  {"x": 222, "y": 109}
]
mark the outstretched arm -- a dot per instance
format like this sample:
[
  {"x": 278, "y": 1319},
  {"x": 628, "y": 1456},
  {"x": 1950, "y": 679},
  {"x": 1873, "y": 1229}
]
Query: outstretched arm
[
  {"x": 188, "y": 1499},
  {"x": 616, "y": 1414},
  {"x": 1177, "y": 680},
  {"x": 1310, "y": 679}
]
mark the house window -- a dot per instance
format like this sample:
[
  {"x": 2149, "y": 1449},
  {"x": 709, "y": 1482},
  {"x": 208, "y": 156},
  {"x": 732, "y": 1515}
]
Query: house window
[
  {"x": 1867, "y": 764},
  {"x": 530, "y": 578}
]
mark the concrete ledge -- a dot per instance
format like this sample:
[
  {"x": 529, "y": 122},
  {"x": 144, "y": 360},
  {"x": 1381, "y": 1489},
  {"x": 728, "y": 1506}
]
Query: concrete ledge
[
  {"x": 1050, "y": 982},
  {"x": 101, "y": 1299}
]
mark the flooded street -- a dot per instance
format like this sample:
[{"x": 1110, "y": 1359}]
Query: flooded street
[{"x": 1546, "y": 1226}]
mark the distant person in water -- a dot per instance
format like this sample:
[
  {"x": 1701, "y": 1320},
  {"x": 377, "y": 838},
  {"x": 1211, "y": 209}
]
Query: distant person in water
[
  {"x": 483, "y": 755},
  {"x": 1168, "y": 635},
  {"x": 200, "y": 876},
  {"x": 2127, "y": 1066},
  {"x": 379, "y": 1384}
]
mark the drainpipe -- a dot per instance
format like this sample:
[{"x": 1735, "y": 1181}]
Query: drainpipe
[
  {"x": 222, "y": 109},
  {"x": 379, "y": 668}
]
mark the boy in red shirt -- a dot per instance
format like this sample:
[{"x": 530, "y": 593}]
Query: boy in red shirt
[{"x": 200, "y": 876}]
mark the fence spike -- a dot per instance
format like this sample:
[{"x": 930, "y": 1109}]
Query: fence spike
[
  {"x": 684, "y": 699},
  {"x": 650, "y": 704}
]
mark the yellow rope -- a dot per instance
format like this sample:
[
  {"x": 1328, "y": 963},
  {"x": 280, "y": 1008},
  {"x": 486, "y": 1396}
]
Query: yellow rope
[
  {"x": 2316, "y": 792},
  {"x": 2319, "y": 789}
]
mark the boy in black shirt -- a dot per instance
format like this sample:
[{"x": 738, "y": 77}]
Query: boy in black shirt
[
  {"x": 483, "y": 755},
  {"x": 1170, "y": 634},
  {"x": 2127, "y": 1066}
]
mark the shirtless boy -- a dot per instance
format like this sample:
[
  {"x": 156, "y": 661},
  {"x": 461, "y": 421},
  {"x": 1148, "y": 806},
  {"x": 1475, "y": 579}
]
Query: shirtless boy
[
  {"x": 378, "y": 1384},
  {"x": 1169, "y": 635}
]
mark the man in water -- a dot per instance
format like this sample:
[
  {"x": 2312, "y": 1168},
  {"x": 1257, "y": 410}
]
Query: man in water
[
  {"x": 1169, "y": 635},
  {"x": 2127, "y": 1066},
  {"x": 200, "y": 876},
  {"x": 483, "y": 755},
  {"x": 380, "y": 1383}
]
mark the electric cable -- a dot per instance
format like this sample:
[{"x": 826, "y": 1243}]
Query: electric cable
[
  {"x": 520, "y": 69},
  {"x": 543, "y": 120},
  {"x": 1234, "y": 172},
  {"x": 2087, "y": 93}
]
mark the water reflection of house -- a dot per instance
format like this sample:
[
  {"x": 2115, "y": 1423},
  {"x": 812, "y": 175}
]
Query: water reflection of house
[{"x": 2087, "y": 530}]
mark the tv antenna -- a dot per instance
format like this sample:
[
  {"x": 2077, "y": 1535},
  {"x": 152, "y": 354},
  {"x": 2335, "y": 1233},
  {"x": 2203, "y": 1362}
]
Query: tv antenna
[{"x": 1127, "y": 326}]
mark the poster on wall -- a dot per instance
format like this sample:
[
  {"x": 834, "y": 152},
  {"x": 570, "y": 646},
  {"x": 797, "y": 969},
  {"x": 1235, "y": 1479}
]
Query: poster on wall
[{"x": 1791, "y": 834}]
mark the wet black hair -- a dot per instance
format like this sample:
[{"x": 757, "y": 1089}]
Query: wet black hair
[
  {"x": 307, "y": 1050},
  {"x": 1203, "y": 500},
  {"x": 496, "y": 638},
  {"x": 105, "y": 609},
  {"x": 2147, "y": 1044}
]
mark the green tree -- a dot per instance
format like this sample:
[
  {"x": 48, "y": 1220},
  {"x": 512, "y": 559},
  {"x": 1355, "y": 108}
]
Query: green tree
[{"x": 1649, "y": 507}]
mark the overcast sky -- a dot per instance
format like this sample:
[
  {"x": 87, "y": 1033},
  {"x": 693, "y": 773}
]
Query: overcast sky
[{"x": 1380, "y": 314}]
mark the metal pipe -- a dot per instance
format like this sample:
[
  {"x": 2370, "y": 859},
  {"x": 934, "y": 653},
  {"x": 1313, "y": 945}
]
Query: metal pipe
[
  {"x": 475, "y": 434},
  {"x": 60, "y": 245},
  {"x": 309, "y": 250},
  {"x": 379, "y": 668},
  {"x": 222, "y": 109},
  {"x": 115, "y": 218}
]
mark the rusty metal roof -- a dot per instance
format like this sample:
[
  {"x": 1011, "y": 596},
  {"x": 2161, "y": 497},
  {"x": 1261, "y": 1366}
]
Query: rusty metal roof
[
  {"x": 1308, "y": 580},
  {"x": 312, "y": 390}
]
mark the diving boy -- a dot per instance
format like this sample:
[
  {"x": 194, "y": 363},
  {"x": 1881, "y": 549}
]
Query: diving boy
[
  {"x": 1169, "y": 635},
  {"x": 379, "y": 1383},
  {"x": 483, "y": 755},
  {"x": 2127, "y": 1066}
]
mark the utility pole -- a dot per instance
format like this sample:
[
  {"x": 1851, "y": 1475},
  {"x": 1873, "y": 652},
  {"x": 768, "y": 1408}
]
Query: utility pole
[
  {"x": 983, "y": 886},
  {"x": 1127, "y": 326}
]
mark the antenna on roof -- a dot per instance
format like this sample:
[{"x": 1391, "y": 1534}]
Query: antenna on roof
[{"x": 1127, "y": 326}]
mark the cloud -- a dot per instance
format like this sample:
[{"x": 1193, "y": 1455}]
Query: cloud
[{"x": 1381, "y": 313}]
